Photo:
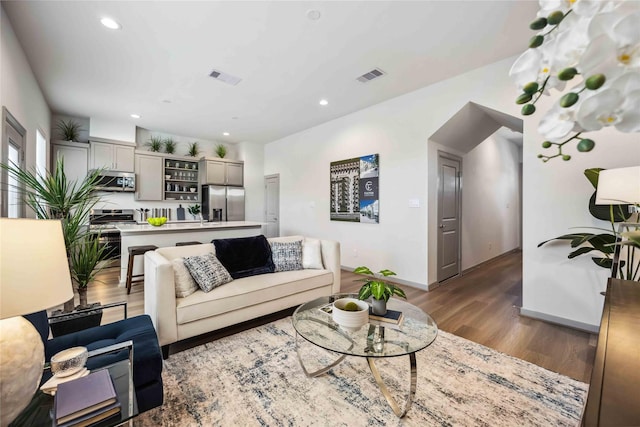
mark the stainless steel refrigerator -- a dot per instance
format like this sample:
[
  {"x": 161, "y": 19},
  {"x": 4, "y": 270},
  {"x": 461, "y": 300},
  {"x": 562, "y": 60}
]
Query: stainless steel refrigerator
[{"x": 220, "y": 203}]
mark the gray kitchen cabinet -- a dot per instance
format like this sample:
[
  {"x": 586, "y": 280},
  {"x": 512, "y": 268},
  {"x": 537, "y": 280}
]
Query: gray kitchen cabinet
[
  {"x": 148, "y": 170},
  {"x": 76, "y": 158},
  {"x": 112, "y": 156},
  {"x": 224, "y": 172}
]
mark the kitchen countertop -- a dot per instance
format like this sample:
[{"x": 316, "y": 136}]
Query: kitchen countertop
[{"x": 178, "y": 226}]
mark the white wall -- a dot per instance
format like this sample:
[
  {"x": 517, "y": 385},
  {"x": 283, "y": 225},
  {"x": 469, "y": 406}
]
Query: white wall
[
  {"x": 19, "y": 90},
  {"x": 112, "y": 129},
  {"x": 554, "y": 193},
  {"x": 490, "y": 194}
]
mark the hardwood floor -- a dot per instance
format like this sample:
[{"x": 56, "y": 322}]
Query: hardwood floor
[{"x": 481, "y": 306}]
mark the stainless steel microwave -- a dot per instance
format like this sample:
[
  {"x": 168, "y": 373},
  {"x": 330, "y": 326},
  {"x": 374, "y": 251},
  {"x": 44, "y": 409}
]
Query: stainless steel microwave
[{"x": 117, "y": 181}]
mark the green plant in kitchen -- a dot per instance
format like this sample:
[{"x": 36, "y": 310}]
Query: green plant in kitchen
[
  {"x": 221, "y": 150},
  {"x": 154, "y": 143},
  {"x": 169, "y": 145},
  {"x": 51, "y": 196},
  {"x": 194, "y": 210},
  {"x": 69, "y": 130},
  {"x": 375, "y": 286},
  {"x": 194, "y": 150},
  {"x": 84, "y": 258}
]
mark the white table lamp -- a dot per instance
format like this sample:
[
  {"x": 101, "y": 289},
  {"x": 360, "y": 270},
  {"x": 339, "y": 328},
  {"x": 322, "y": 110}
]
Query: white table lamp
[
  {"x": 619, "y": 186},
  {"x": 34, "y": 275}
]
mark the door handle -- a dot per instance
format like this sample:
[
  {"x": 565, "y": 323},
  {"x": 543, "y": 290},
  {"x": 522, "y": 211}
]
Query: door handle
[{"x": 441, "y": 225}]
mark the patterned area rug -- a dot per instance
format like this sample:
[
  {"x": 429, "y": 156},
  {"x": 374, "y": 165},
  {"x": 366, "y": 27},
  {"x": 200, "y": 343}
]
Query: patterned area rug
[{"x": 254, "y": 379}]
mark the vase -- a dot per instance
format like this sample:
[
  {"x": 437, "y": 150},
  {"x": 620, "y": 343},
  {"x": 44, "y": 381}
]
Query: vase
[{"x": 379, "y": 307}]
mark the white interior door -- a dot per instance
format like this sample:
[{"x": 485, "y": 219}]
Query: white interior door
[
  {"x": 13, "y": 153},
  {"x": 449, "y": 196},
  {"x": 272, "y": 205}
]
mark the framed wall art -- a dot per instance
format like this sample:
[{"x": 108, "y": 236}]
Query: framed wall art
[{"x": 354, "y": 189}]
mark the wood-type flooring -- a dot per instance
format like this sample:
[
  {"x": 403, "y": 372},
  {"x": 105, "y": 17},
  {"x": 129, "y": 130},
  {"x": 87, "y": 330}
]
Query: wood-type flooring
[{"x": 481, "y": 306}]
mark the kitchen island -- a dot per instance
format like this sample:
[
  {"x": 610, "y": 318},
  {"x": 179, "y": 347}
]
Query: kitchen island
[{"x": 171, "y": 233}]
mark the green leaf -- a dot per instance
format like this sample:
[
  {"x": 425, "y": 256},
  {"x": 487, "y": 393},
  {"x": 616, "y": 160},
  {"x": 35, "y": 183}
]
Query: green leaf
[
  {"x": 592, "y": 175},
  {"x": 365, "y": 291},
  {"x": 603, "y": 262},
  {"x": 387, "y": 273},
  {"x": 363, "y": 270},
  {"x": 580, "y": 251},
  {"x": 399, "y": 292},
  {"x": 378, "y": 290}
]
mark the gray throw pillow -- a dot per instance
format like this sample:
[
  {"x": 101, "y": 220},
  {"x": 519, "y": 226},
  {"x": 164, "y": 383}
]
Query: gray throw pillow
[
  {"x": 287, "y": 256},
  {"x": 207, "y": 271}
]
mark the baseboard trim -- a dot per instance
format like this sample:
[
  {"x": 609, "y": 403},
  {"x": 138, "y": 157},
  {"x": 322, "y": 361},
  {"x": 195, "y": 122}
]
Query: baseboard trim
[
  {"x": 394, "y": 279},
  {"x": 490, "y": 260},
  {"x": 549, "y": 318}
]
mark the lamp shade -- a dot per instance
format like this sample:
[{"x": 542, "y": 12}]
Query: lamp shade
[
  {"x": 34, "y": 271},
  {"x": 619, "y": 186}
]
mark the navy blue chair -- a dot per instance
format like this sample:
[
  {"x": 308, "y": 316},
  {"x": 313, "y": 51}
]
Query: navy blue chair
[{"x": 147, "y": 358}]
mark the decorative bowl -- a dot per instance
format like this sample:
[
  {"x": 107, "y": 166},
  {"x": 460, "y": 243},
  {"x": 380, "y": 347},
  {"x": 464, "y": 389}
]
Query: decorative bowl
[
  {"x": 350, "y": 320},
  {"x": 157, "y": 221},
  {"x": 167, "y": 177},
  {"x": 69, "y": 361},
  {"x": 193, "y": 190}
]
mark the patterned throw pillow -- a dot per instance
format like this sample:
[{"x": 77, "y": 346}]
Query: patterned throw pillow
[
  {"x": 207, "y": 271},
  {"x": 185, "y": 285},
  {"x": 287, "y": 256}
]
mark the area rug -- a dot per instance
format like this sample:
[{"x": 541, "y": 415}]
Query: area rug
[{"x": 254, "y": 379}]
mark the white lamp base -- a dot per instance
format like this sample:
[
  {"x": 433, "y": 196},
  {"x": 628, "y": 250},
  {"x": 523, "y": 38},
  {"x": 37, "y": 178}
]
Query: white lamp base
[{"x": 21, "y": 363}]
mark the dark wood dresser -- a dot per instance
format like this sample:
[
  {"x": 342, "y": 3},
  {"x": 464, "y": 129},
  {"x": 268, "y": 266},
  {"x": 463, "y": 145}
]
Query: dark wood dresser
[{"x": 614, "y": 393}]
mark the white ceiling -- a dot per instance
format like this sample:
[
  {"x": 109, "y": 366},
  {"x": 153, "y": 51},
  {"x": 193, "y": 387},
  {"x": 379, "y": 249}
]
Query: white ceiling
[{"x": 287, "y": 62}]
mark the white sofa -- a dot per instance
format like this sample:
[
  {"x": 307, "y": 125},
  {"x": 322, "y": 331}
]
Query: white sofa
[{"x": 176, "y": 319}]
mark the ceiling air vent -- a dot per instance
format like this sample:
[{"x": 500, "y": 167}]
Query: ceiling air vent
[
  {"x": 224, "y": 77},
  {"x": 373, "y": 74}
]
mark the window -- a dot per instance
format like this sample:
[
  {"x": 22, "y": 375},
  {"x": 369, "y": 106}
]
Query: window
[
  {"x": 41, "y": 153},
  {"x": 13, "y": 147}
]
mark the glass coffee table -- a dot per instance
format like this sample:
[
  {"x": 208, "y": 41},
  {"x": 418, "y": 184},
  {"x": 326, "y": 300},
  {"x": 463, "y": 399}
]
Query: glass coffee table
[{"x": 377, "y": 339}]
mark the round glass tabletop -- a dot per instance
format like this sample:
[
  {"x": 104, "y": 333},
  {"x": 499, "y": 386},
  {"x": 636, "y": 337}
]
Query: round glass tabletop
[{"x": 417, "y": 330}]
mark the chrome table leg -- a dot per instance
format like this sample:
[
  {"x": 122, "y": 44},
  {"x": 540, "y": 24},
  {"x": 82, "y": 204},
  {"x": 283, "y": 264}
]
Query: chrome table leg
[
  {"x": 383, "y": 388},
  {"x": 319, "y": 371}
]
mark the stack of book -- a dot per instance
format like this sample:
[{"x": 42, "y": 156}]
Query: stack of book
[
  {"x": 86, "y": 400},
  {"x": 392, "y": 316}
]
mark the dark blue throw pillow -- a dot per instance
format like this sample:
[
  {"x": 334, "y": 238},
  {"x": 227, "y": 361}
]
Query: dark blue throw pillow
[{"x": 245, "y": 256}]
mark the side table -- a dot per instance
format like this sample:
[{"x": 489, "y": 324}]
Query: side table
[{"x": 39, "y": 412}]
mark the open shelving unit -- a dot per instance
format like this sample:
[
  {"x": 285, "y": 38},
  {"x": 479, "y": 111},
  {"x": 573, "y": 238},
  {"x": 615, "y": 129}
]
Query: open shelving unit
[{"x": 181, "y": 180}]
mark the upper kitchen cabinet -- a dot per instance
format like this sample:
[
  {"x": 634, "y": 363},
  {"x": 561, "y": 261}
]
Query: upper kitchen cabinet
[
  {"x": 76, "y": 158},
  {"x": 112, "y": 155},
  {"x": 223, "y": 172},
  {"x": 148, "y": 177}
]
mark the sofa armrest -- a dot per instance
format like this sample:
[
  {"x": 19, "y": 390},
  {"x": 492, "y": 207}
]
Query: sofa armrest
[
  {"x": 331, "y": 261},
  {"x": 160, "y": 296}
]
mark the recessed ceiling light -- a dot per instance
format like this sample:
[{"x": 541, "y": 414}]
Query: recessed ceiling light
[
  {"x": 324, "y": 102},
  {"x": 225, "y": 133},
  {"x": 166, "y": 101},
  {"x": 110, "y": 23},
  {"x": 135, "y": 116},
  {"x": 313, "y": 14}
]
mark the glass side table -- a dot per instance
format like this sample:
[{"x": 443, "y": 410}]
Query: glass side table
[
  {"x": 373, "y": 340},
  {"x": 39, "y": 412}
]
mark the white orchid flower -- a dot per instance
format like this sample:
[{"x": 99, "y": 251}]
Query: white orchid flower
[
  {"x": 558, "y": 123},
  {"x": 535, "y": 65},
  {"x": 615, "y": 47},
  {"x": 617, "y": 105},
  {"x": 586, "y": 8}
]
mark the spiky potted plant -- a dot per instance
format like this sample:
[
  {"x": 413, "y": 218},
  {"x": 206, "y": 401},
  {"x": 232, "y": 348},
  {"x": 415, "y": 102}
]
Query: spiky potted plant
[
  {"x": 154, "y": 143},
  {"x": 378, "y": 289},
  {"x": 194, "y": 150},
  {"x": 51, "y": 196},
  {"x": 221, "y": 150},
  {"x": 169, "y": 145},
  {"x": 69, "y": 130}
]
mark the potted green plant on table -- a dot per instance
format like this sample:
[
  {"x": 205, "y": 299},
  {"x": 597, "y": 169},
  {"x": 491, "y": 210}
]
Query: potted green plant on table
[
  {"x": 194, "y": 210},
  {"x": 378, "y": 289},
  {"x": 51, "y": 196}
]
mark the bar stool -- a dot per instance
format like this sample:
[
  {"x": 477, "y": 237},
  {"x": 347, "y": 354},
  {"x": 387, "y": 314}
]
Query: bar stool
[
  {"x": 187, "y": 243},
  {"x": 133, "y": 251}
]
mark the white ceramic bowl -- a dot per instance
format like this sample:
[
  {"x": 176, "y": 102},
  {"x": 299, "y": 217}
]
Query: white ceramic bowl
[
  {"x": 193, "y": 190},
  {"x": 350, "y": 320},
  {"x": 69, "y": 361}
]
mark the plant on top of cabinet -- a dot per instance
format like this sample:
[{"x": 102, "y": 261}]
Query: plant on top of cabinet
[
  {"x": 169, "y": 145},
  {"x": 194, "y": 150},
  {"x": 221, "y": 150},
  {"x": 69, "y": 130},
  {"x": 154, "y": 143}
]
